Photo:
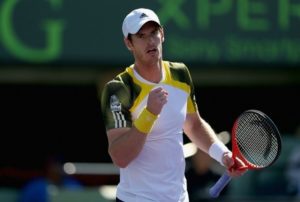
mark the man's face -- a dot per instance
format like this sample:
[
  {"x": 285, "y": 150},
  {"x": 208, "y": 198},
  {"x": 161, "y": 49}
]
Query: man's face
[{"x": 146, "y": 44}]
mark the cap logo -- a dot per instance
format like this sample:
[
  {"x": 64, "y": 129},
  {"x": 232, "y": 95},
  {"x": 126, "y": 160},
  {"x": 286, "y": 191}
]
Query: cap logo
[{"x": 143, "y": 15}]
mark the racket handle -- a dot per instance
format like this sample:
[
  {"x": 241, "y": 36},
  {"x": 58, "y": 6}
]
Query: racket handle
[{"x": 215, "y": 190}]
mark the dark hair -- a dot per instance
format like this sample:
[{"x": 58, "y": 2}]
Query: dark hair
[{"x": 129, "y": 37}]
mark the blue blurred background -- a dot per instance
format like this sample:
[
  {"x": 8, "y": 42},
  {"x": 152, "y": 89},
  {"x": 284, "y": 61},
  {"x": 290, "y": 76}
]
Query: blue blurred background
[{"x": 55, "y": 56}]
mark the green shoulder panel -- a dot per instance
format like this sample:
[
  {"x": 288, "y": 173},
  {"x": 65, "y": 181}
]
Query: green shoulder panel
[
  {"x": 117, "y": 97},
  {"x": 181, "y": 73}
]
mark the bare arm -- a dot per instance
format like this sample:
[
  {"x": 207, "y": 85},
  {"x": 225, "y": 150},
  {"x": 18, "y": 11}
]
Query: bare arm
[
  {"x": 124, "y": 144},
  {"x": 199, "y": 131}
]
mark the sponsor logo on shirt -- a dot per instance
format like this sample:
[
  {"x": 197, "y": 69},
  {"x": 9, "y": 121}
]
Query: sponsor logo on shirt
[{"x": 115, "y": 104}]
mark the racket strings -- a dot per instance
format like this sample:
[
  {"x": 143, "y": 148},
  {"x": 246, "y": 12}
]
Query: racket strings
[
  {"x": 257, "y": 140},
  {"x": 250, "y": 144}
]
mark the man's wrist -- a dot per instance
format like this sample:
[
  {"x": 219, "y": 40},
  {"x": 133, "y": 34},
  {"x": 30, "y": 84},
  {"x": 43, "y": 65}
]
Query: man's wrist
[
  {"x": 217, "y": 151},
  {"x": 145, "y": 121}
]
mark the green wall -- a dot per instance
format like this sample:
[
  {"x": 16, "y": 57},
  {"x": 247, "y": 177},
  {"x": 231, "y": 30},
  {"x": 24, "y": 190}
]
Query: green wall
[{"x": 197, "y": 31}]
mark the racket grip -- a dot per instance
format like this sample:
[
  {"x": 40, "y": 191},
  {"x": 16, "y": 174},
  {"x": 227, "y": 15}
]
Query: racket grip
[{"x": 215, "y": 190}]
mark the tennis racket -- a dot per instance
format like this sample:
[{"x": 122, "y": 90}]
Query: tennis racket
[{"x": 255, "y": 140}]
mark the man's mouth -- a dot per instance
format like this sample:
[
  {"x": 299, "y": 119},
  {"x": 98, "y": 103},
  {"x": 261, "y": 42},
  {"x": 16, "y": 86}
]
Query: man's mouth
[{"x": 152, "y": 50}]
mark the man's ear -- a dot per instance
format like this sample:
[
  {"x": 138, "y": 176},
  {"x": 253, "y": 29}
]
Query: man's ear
[{"x": 128, "y": 44}]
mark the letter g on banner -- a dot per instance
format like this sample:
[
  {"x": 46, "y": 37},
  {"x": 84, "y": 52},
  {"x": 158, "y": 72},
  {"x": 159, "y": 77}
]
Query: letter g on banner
[{"x": 16, "y": 47}]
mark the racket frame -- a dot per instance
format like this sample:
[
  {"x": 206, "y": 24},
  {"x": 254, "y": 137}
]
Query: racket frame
[{"x": 235, "y": 148}]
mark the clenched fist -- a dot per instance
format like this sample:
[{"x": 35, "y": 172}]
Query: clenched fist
[{"x": 157, "y": 98}]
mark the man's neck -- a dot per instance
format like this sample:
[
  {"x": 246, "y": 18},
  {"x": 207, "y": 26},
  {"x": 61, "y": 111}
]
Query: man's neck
[{"x": 150, "y": 72}]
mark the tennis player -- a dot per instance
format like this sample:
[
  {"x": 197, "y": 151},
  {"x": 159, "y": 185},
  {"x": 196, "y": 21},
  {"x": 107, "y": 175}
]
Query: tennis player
[{"x": 146, "y": 109}]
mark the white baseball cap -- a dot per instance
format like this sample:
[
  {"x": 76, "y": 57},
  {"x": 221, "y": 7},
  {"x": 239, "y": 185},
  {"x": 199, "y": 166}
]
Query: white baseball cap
[{"x": 136, "y": 19}]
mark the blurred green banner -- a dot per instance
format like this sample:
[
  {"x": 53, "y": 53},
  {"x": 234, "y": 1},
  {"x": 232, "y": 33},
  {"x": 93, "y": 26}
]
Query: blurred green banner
[{"x": 220, "y": 32}]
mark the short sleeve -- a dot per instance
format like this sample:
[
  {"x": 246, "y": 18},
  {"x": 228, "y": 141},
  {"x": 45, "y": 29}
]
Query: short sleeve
[{"x": 115, "y": 105}]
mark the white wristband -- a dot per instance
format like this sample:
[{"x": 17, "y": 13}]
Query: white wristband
[{"x": 217, "y": 150}]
